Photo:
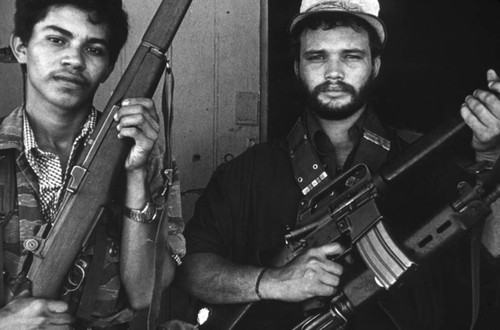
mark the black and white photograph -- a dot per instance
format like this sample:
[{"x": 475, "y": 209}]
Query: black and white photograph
[{"x": 250, "y": 164}]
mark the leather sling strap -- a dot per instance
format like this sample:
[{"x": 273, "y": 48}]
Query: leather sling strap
[
  {"x": 160, "y": 240},
  {"x": 7, "y": 204}
]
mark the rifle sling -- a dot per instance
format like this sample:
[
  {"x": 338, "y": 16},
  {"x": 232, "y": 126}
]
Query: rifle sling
[
  {"x": 89, "y": 294},
  {"x": 160, "y": 246},
  {"x": 475, "y": 249}
]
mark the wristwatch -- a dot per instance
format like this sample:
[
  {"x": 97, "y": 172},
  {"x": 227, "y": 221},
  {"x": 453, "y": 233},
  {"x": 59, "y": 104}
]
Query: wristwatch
[{"x": 145, "y": 215}]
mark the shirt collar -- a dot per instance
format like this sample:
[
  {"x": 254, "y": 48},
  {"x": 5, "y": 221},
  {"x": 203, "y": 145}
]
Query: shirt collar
[
  {"x": 320, "y": 141},
  {"x": 29, "y": 137}
]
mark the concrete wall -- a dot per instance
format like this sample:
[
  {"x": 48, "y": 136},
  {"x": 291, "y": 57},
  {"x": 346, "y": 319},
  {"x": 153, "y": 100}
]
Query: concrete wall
[
  {"x": 215, "y": 58},
  {"x": 216, "y": 63},
  {"x": 10, "y": 74}
]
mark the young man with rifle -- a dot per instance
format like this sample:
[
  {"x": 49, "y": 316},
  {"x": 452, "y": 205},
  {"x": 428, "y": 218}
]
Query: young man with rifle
[
  {"x": 67, "y": 48},
  {"x": 250, "y": 202}
]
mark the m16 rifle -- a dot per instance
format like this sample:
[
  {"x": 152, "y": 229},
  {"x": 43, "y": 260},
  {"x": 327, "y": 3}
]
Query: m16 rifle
[
  {"x": 346, "y": 210},
  {"x": 347, "y": 207}
]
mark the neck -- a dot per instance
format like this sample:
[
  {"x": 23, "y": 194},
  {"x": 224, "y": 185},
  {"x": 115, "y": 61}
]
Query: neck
[
  {"x": 338, "y": 130},
  {"x": 55, "y": 129},
  {"x": 338, "y": 133}
]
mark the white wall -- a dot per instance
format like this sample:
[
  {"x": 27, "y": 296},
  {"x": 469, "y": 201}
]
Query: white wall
[
  {"x": 10, "y": 74},
  {"x": 215, "y": 58}
]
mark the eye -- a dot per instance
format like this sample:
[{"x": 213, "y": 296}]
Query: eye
[
  {"x": 314, "y": 57},
  {"x": 96, "y": 51},
  {"x": 55, "y": 40},
  {"x": 352, "y": 57}
]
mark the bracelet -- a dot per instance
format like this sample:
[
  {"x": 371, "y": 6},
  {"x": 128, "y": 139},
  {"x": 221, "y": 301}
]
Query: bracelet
[
  {"x": 257, "y": 283},
  {"x": 177, "y": 259}
]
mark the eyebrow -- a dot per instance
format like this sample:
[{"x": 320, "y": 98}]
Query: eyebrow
[
  {"x": 355, "y": 50},
  {"x": 343, "y": 51},
  {"x": 314, "y": 51},
  {"x": 68, "y": 34}
]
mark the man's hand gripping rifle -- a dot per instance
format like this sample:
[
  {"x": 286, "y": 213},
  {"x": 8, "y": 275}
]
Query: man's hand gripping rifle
[{"x": 346, "y": 211}]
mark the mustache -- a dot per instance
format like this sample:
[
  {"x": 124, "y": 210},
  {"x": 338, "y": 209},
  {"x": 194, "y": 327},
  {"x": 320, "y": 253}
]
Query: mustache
[
  {"x": 71, "y": 76},
  {"x": 339, "y": 86}
]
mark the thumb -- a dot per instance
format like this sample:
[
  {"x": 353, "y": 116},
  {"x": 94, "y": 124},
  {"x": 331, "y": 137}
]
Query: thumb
[
  {"x": 57, "y": 306},
  {"x": 331, "y": 249},
  {"x": 491, "y": 77}
]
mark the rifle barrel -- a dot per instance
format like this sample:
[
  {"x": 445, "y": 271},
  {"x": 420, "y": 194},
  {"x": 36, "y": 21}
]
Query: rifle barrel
[{"x": 424, "y": 149}]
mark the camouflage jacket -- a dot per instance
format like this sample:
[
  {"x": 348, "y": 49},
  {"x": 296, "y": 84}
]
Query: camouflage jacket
[{"x": 110, "y": 306}]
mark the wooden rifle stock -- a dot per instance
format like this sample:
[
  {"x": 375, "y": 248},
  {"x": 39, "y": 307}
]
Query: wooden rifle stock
[{"x": 98, "y": 167}]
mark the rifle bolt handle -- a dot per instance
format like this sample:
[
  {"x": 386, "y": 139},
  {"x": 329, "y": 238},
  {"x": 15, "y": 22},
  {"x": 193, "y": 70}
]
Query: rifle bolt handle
[{"x": 31, "y": 244}]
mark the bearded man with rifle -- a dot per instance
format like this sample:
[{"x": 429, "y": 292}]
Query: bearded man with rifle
[
  {"x": 250, "y": 202},
  {"x": 67, "y": 48}
]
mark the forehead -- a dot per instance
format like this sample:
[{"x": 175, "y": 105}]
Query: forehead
[
  {"x": 334, "y": 39},
  {"x": 75, "y": 20}
]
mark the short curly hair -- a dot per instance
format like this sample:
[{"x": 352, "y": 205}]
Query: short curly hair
[{"x": 111, "y": 12}]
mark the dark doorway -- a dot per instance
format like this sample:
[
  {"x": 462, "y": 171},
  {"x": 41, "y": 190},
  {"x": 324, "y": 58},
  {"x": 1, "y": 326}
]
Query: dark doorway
[{"x": 437, "y": 52}]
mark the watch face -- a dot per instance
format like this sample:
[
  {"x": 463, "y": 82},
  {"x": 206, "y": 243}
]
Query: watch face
[{"x": 149, "y": 212}]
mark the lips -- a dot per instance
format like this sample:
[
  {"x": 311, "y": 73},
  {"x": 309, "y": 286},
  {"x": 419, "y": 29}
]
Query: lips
[
  {"x": 71, "y": 79},
  {"x": 334, "y": 89},
  {"x": 338, "y": 89}
]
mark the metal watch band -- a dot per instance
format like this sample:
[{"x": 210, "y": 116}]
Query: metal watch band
[{"x": 147, "y": 214}]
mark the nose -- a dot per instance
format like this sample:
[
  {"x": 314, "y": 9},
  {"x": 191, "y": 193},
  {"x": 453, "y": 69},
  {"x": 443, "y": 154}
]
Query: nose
[
  {"x": 74, "y": 58},
  {"x": 334, "y": 69}
]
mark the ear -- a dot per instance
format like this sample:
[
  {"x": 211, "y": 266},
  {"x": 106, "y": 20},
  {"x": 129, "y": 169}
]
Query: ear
[
  {"x": 18, "y": 48},
  {"x": 376, "y": 66},
  {"x": 296, "y": 68}
]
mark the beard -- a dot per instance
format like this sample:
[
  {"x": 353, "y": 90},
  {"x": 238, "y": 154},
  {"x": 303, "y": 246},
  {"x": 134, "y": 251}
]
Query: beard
[{"x": 328, "y": 109}]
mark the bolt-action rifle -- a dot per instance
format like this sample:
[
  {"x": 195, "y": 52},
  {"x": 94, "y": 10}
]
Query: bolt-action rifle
[
  {"x": 346, "y": 210},
  {"x": 98, "y": 167}
]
